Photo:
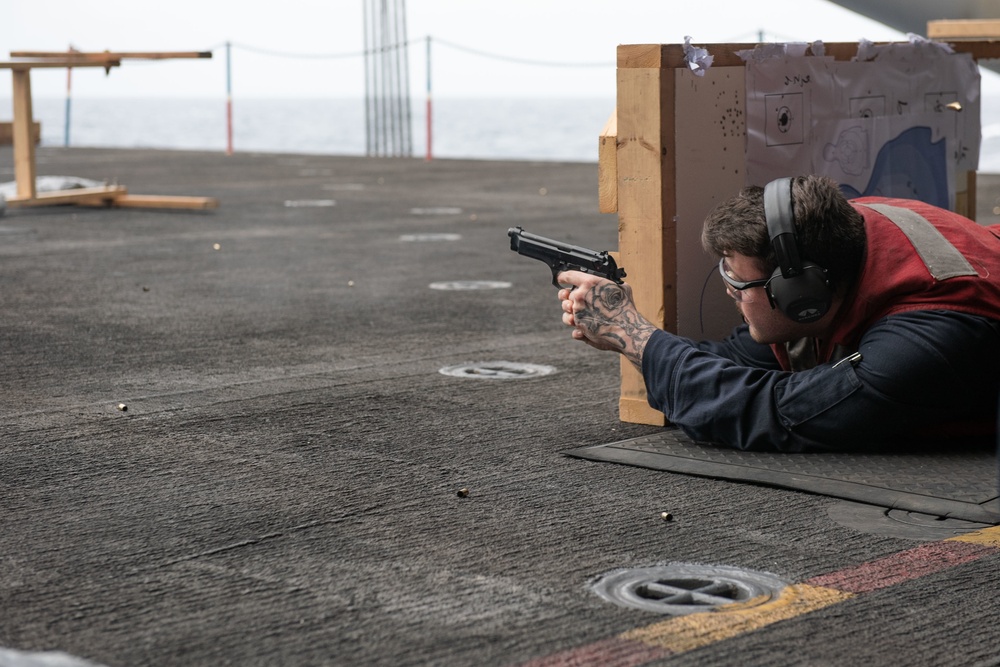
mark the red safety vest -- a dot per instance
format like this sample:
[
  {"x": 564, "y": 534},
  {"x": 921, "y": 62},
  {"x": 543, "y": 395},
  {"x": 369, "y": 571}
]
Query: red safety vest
[{"x": 918, "y": 257}]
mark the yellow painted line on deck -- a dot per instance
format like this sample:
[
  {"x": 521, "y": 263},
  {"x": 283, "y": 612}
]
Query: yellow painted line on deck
[
  {"x": 680, "y": 634},
  {"x": 989, "y": 537},
  {"x": 686, "y": 633}
]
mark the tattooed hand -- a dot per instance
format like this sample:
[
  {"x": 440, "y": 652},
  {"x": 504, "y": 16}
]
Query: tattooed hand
[{"x": 603, "y": 315}]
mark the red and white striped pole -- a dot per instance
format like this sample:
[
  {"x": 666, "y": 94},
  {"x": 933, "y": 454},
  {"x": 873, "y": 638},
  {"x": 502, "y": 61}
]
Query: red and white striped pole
[
  {"x": 429, "y": 121},
  {"x": 69, "y": 99},
  {"x": 229, "y": 103}
]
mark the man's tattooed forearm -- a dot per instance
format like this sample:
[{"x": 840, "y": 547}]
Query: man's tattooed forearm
[
  {"x": 609, "y": 318},
  {"x": 636, "y": 332}
]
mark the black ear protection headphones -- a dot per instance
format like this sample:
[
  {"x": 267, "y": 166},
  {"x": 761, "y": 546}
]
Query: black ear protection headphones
[{"x": 801, "y": 292}]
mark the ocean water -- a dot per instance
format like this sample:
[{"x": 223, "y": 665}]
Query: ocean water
[{"x": 561, "y": 130}]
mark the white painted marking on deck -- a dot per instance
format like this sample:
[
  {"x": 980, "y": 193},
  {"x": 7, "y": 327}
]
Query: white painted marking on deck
[
  {"x": 436, "y": 210},
  {"x": 470, "y": 285},
  {"x": 306, "y": 203}
]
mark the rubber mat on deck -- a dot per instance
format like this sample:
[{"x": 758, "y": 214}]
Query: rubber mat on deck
[{"x": 960, "y": 483}]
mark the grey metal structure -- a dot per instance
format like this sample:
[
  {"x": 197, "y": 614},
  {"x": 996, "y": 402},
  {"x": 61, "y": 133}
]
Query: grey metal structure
[
  {"x": 913, "y": 15},
  {"x": 387, "y": 83}
]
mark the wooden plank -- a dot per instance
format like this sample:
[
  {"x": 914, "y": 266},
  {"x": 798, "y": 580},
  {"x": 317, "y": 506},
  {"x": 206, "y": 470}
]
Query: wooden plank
[
  {"x": 607, "y": 166},
  {"x": 727, "y": 55},
  {"x": 649, "y": 56},
  {"x": 7, "y": 133},
  {"x": 104, "y": 56},
  {"x": 25, "y": 65},
  {"x": 965, "y": 194},
  {"x": 97, "y": 196},
  {"x": 24, "y": 147},
  {"x": 964, "y": 29},
  {"x": 645, "y": 162},
  {"x": 166, "y": 201},
  {"x": 115, "y": 196},
  {"x": 671, "y": 56},
  {"x": 971, "y": 194},
  {"x": 978, "y": 50}
]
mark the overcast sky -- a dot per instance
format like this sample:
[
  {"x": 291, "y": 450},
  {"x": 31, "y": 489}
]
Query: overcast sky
[{"x": 311, "y": 48}]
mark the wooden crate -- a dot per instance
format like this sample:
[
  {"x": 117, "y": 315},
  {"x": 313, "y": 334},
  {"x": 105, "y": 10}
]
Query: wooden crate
[{"x": 673, "y": 149}]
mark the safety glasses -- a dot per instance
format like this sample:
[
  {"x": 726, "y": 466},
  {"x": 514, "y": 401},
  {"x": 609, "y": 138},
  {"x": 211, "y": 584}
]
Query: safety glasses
[{"x": 739, "y": 285}]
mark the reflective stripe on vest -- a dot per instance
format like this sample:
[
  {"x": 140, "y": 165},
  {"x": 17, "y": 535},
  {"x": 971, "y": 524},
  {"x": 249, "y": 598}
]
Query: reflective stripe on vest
[{"x": 941, "y": 258}]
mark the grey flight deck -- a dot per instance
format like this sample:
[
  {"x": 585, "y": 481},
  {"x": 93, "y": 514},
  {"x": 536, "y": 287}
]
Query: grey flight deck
[{"x": 225, "y": 438}]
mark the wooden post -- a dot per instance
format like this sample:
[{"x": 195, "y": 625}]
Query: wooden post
[
  {"x": 24, "y": 146},
  {"x": 229, "y": 100},
  {"x": 607, "y": 166},
  {"x": 645, "y": 166}
]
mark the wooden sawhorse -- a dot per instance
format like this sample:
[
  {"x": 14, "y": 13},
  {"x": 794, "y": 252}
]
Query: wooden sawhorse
[{"x": 24, "y": 146}]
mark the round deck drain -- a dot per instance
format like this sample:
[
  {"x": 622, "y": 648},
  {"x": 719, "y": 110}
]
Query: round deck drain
[
  {"x": 470, "y": 285},
  {"x": 677, "y": 589},
  {"x": 876, "y": 520},
  {"x": 431, "y": 237},
  {"x": 497, "y": 370}
]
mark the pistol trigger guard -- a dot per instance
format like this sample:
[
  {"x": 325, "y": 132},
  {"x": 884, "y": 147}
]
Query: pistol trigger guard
[{"x": 556, "y": 270}]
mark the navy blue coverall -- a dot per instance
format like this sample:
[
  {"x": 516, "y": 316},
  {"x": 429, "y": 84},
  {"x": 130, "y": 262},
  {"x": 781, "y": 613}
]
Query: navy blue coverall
[{"x": 916, "y": 373}]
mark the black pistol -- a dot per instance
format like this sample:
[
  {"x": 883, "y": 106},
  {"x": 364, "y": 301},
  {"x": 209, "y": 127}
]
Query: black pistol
[{"x": 564, "y": 257}]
